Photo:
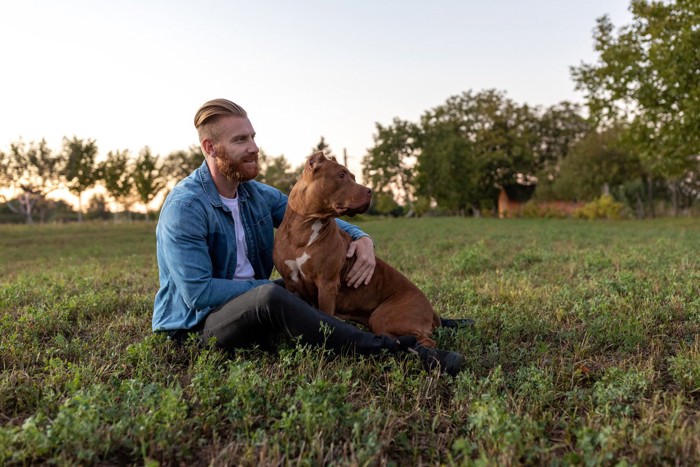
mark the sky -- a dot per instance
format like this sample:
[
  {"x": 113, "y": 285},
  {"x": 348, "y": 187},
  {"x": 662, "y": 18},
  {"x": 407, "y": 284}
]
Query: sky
[{"x": 132, "y": 73}]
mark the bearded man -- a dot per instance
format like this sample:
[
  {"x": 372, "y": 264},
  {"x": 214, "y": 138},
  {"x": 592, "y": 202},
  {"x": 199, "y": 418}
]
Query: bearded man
[{"x": 215, "y": 236}]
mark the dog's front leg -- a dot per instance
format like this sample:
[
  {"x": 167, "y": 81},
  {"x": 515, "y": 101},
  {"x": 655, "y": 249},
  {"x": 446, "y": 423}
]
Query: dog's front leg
[{"x": 327, "y": 293}]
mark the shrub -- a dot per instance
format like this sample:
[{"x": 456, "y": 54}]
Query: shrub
[{"x": 604, "y": 207}]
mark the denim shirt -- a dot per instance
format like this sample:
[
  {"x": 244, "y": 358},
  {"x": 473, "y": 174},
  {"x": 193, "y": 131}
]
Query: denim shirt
[{"x": 196, "y": 247}]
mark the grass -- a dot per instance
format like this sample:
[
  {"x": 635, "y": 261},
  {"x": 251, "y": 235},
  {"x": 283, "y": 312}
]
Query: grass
[{"x": 585, "y": 352}]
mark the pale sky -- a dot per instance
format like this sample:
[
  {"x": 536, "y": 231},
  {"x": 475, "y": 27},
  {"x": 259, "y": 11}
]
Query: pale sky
[{"x": 132, "y": 73}]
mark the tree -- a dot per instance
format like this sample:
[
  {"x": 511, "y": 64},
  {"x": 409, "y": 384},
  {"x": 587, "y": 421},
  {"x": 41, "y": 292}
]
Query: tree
[
  {"x": 648, "y": 72},
  {"x": 472, "y": 144},
  {"x": 323, "y": 147},
  {"x": 277, "y": 172},
  {"x": 179, "y": 164},
  {"x": 34, "y": 170},
  {"x": 560, "y": 127},
  {"x": 80, "y": 171},
  {"x": 391, "y": 163},
  {"x": 597, "y": 165},
  {"x": 117, "y": 175},
  {"x": 148, "y": 179}
]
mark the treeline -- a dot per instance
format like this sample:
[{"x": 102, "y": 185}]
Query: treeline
[
  {"x": 32, "y": 171},
  {"x": 639, "y": 141},
  {"x": 460, "y": 155}
]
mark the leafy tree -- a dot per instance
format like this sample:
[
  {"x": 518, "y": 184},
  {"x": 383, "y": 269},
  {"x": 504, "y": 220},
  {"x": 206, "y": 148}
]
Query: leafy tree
[
  {"x": 116, "y": 173},
  {"x": 324, "y": 147},
  {"x": 179, "y": 164},
  {"x": 34, "y": 170},
  {"x": 648, "y": 70},
  {"x": 5, "y": 177},
  {"x": 446, "y": 163},
  {"x": 148, "y": 179},
  {"x": 391, "y": 163},
  {"x": 385, "y": 204},
  {"x": 597, "y": 165},
  {"x": 277, "y": 172},
  {"x": 472, "y": 144},
  {"x": 97, "y": 207},
  {"x": 80, "y": 171},
  {"x": 560, "y": 127}
]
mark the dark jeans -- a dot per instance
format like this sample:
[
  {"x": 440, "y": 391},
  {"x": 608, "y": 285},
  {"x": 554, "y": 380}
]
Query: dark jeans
[{"x": 270, "y": 311}]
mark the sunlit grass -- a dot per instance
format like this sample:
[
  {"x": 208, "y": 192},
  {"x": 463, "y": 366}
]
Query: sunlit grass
[{"x": 585, "y": 351}]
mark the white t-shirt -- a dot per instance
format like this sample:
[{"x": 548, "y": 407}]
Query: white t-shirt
[{"x": 244, "y": 270}]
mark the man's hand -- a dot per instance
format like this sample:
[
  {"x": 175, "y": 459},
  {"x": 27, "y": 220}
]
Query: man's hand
[{"x": 363, "y": 269}]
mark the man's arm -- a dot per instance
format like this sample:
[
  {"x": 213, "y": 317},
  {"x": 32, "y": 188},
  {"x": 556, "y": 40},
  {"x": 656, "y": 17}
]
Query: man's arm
[{"x": 182, "y": 245}]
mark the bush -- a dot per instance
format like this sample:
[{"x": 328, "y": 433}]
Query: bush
[{"x": 604, "y": 207}]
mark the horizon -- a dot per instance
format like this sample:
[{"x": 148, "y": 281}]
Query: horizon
[{"x": 132, "y": 74}]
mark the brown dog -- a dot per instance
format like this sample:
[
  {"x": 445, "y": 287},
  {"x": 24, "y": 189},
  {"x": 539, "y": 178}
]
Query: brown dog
[{"x": 310, "y": 252}]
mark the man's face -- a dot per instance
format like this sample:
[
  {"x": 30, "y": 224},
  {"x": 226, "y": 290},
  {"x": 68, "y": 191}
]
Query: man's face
[{"x": 236, "y": 151}]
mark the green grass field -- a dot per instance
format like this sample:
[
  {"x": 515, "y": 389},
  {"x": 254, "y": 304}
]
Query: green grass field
[{"x": 585, "y": 352}]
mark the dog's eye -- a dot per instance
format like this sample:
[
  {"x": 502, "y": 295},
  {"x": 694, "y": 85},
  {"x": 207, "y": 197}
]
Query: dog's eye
[{"x": 342, "y": 174}]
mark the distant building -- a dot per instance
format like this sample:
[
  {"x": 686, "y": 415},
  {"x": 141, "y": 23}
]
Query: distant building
[{"x": 513, "y": 198}]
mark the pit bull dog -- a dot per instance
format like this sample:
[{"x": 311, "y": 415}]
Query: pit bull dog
[{"x": 309, "y": 253}]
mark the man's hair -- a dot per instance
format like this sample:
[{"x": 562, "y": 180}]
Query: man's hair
[{"x": 205, "y": 120}]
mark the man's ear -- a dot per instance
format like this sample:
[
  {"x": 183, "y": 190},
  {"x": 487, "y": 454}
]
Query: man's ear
[{"x": 208, "y": 148}]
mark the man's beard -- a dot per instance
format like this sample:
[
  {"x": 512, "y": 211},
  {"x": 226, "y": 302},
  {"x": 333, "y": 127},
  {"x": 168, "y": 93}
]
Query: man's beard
[{"x": 236, "y": 171}]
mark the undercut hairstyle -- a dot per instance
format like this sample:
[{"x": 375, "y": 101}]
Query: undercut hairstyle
[{"x": 207, "y": 117}]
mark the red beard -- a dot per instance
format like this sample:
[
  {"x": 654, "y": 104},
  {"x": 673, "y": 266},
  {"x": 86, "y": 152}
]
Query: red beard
[{"x": 238, "y": 170}]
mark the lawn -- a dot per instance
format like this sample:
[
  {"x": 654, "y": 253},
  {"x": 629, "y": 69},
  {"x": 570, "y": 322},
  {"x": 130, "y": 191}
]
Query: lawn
[{"x": 586, "y": 351}]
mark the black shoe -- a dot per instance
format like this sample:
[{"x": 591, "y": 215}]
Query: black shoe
[
  {"x": 449, "y": 362},
  {"x": 456, "y": 323}
]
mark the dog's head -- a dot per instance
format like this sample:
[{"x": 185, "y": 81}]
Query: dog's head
[{"x": 328, "y": 189}]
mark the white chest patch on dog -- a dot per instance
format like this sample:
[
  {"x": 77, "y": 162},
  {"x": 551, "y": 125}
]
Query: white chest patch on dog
[
  {"x": 295, "y": 266},
  {"x": 315, "y": 230}
]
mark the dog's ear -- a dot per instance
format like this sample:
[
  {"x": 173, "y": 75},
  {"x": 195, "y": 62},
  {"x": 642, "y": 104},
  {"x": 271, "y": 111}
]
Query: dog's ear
[{"x": 315, "y": 160}]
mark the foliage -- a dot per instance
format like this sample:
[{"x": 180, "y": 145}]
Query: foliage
[
  {"x": 391, "y": 161},
  {"x": 383, "y": 204},
  {"x": 462, "y": 151},
  {"x": 80, "y": 171},
  {"x": 649, "y": 70},
  {"x": 148, "y": 177},
  {"x": 472, "y": 144},
  {"x": 33, "y": 170},
  {"x": 595, "y": 163},
  {"x": 116, "y": 172},
  {"x": 585, "y": 351},
  {"x": 277, "y": 172},
  {"x": 560, "y": 128},
  {"x": 323, "y": 147},
  {"x": 179, "y": 164},
  {"x": 604, "y": 207}
]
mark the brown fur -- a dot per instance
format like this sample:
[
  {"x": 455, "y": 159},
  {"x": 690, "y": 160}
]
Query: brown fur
[{"x": 310, "y": 254}]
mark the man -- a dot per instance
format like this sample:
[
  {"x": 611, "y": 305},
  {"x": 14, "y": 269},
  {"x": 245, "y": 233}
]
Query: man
[{"x": 215, "y": 237}]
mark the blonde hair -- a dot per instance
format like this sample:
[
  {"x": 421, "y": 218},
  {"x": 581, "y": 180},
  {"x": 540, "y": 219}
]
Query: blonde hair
[{"x": 206, "y": 118}]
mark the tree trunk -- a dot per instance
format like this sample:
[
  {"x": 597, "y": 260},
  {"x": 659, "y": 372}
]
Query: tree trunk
[
  {"x": 80, "y": 207},
  {"x": 674, "y": 197},
  {"x": 26, "y": 206},
  {"x": 640, "y": 206},
  {"x": 650, "y": 183}
]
